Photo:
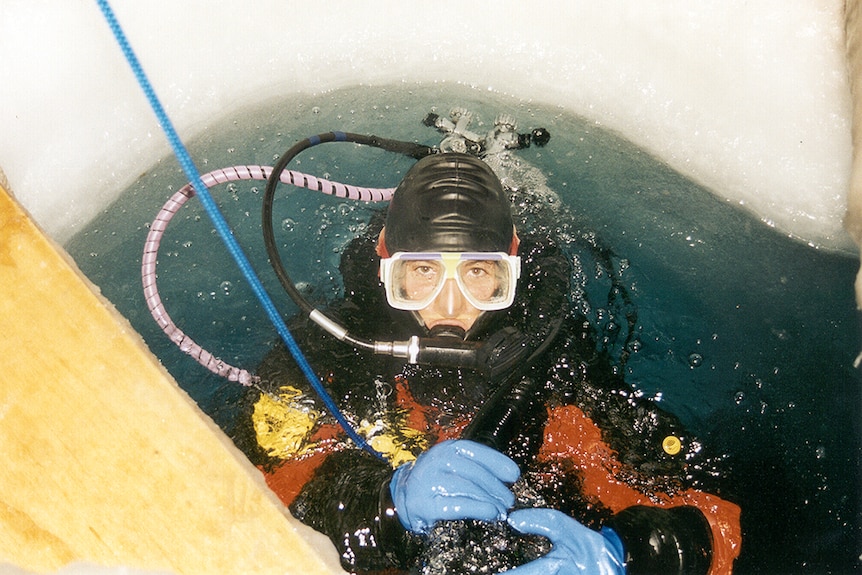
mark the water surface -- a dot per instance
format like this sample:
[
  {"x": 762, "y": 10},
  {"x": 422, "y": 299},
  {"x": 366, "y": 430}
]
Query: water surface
[{"x": 748, "y": 336}]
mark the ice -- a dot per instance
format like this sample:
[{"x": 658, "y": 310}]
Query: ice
[{"x": 751, "y": 99}]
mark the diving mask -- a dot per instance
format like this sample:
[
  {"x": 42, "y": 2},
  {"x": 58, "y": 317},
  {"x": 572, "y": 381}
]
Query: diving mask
[{"x": 486, "y": 279}]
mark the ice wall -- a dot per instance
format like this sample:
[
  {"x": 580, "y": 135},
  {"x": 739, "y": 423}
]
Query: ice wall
[
  {"x": 750, "y": 98},
  {"x": 853, "y": 221}
]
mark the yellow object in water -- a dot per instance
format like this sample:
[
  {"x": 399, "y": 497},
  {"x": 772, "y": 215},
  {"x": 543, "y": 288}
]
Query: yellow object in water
[
  {"x": 397, "y": 445},
  {"x": 671, "y": 445},
  {"x": 281, "y": 425}
]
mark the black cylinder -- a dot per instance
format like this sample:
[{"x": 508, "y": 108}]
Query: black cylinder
[
  {"x": 501, "y": 417},
  {"x": 660, "y": 541}
]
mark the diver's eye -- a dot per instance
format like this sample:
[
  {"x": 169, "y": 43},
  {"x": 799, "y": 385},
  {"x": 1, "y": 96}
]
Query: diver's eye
[
  {"x": 424, "y": 270},
  {"x": 478, "y": 270}
]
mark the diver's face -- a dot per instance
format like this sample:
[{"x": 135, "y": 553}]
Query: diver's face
[{"x": 450, "y": 308}]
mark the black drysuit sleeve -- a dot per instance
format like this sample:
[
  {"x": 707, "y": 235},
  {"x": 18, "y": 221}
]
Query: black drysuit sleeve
[{"x": 348, "y": 500}]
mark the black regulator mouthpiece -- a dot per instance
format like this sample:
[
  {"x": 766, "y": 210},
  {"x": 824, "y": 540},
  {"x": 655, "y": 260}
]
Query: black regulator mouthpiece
[
  {"x": 445, "y": 347},
  {"x": 453, "y": 331}
]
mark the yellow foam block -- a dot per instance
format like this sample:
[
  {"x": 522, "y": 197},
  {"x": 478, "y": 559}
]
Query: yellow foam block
[{"x": 103, "y": 458}]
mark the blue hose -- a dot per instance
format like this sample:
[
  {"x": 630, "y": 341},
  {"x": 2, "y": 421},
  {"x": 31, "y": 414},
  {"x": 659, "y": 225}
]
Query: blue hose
[{"x": 224, "y": 230}]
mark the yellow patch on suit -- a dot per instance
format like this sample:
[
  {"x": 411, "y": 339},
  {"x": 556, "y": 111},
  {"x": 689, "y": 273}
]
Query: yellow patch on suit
[{"x": 282, "y": 425}]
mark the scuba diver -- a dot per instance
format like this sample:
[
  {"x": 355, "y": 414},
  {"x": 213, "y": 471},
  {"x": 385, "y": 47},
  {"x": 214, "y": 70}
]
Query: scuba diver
[{"x": 515, "y": 446}]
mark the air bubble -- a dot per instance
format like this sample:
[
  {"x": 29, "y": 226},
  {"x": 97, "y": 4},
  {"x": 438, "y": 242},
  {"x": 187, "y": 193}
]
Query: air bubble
[
  {"x": 288, "y": 224},
  {"x": 739, "y": 397},
  {"x": 695, "y": 360},
  {"x": 226, "y": 287}
]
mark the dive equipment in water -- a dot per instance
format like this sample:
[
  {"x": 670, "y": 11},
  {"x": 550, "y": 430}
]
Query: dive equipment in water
[
  {"x": 503, "y": 414},
  {"x": 502, "y": 136},
  {"x": 498, "y": 354},
  {"x": 676, "y": 540},
  {"x": 421, "y": 351},
  {"x": 149, "y": 258},
  {"x": 491, "y": 357}
]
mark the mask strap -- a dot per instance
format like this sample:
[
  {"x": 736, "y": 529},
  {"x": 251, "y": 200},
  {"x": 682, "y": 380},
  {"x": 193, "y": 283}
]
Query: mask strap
[{"x": 516, "y": 242}]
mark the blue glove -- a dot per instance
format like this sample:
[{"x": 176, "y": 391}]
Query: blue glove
[
  {"x": 456, "y": 479},
  {"x": 576, "y": 549}
]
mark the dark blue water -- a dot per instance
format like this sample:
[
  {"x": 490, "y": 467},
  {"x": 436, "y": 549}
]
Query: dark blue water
[{"x": 746, "y": 335}]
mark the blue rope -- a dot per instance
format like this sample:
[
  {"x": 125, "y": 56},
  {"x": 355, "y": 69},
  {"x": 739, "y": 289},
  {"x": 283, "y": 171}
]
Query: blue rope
[{"x": 223, "y": 228}]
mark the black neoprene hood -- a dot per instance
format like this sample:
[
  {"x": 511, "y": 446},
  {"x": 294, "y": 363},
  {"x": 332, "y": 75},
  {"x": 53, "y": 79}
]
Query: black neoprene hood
[{"x": 449, "y": 202}]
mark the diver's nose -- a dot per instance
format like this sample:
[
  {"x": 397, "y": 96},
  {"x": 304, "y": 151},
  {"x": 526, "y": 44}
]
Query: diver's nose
[{"x": 451, "y": 302}]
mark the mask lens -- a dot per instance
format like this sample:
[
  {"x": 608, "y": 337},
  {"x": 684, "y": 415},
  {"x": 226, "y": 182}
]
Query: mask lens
[
  {"x": 416, "y": 280},
  {"x": 485, "y": 282}
]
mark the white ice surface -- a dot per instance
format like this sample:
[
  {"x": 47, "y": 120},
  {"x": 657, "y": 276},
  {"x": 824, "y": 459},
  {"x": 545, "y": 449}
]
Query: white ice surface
[{"x": 749, "y": 98}]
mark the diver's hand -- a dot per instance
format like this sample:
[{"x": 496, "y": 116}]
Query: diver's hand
[
  {"x": 456, "y": 479},
  {"x": 576, "y": 549}
]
